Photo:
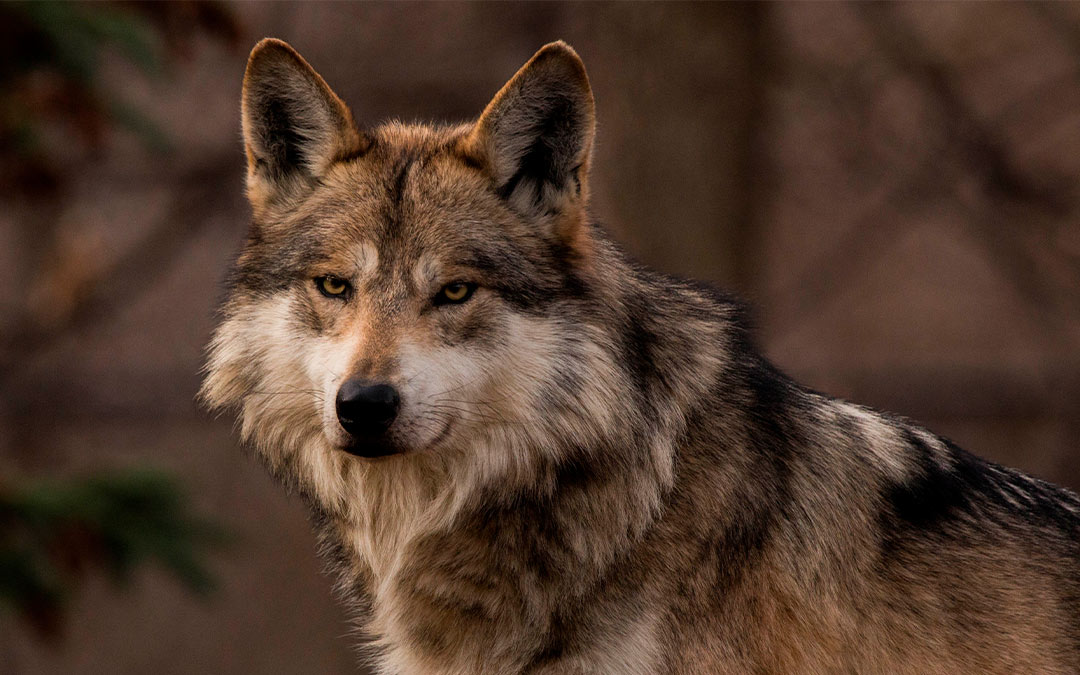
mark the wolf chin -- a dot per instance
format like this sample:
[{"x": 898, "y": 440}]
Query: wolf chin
[{"x": 525, "y": 453}]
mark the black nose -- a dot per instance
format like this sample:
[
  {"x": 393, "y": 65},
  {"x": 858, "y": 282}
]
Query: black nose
[{"x": 366, "y": 410}]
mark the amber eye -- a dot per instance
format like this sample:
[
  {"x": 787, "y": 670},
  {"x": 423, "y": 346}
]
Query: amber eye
[
  {"x": 332, "y": 287},
  {"x": 455, "y": 293}
]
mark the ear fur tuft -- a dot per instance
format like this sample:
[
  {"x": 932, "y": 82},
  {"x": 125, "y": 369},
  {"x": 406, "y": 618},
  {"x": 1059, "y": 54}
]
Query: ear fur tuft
[{"x": 294, "y": 126}]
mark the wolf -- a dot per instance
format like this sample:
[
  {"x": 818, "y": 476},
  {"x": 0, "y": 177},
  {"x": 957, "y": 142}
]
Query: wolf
[{"x": 523, "y": 452}]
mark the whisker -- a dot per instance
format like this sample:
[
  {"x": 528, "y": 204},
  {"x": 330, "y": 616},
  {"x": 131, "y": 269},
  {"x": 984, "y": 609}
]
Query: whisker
[
  {"x": 460, "y": 386},
  {"x": 479, "y": 401},
  {"x": 466, "y": 413},
  {"x": 288, "y": 391}
]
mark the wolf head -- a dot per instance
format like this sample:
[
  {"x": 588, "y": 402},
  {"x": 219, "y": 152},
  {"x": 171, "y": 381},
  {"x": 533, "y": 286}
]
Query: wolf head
[{"x": 428, "y": 296}]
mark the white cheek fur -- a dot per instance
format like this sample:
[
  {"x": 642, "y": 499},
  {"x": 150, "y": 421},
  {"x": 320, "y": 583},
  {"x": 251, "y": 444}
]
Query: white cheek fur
[{"x": 435, "y": 390}]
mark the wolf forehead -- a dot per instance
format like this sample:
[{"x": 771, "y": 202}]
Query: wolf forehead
[{"x": 411, "y": 209}]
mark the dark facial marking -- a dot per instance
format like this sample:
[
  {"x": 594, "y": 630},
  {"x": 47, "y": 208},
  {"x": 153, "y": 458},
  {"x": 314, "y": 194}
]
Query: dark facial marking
[
  {"x": 530, "y": 276},
  {"x": 397, "y": 187},
  {"x": 309, "y": 315},
  {"x": 273, "y": 263},
  {"x": 478, "y": 328}
]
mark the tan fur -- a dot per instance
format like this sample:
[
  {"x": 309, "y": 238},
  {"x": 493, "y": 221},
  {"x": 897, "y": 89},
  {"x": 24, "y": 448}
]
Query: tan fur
[{"x": 596, "y": 471}]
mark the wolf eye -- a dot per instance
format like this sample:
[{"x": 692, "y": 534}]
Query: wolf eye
[
  {"x": 332, "y": 287},
  {"x": 455, "y": 293}
]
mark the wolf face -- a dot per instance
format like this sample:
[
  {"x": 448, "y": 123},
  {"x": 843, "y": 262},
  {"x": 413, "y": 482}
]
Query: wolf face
[{"x": 411, "y": 292}]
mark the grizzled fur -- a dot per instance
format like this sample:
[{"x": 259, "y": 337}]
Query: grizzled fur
[{"x": 597, "y": 472}]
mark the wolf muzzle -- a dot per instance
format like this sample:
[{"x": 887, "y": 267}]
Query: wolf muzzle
[{"x": 366, "y": 411}]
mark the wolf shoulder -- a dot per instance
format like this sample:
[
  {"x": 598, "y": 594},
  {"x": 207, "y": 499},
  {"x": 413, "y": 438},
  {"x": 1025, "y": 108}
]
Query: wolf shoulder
[
  {"x": 872, "y": 545},
  {"x": 925, "y": 488}
]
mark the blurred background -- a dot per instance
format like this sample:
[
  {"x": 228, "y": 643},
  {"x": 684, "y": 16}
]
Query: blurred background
[{"x": 894, "y": 187}]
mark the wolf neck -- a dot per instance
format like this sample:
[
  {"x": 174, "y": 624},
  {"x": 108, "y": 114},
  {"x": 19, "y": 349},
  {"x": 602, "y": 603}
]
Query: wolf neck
[{"x": 658, "y": 348}]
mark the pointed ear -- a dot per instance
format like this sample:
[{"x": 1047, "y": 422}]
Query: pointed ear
[
  {"x": 295, "y": 127},
  {"x": 535, "y": 137}
]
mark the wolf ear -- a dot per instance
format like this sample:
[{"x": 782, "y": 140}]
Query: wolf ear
[
  {"x": 535, "y": 137},
  {"x": 294, "y": 126}
]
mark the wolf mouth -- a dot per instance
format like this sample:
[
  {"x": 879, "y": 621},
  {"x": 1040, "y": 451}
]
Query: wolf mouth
[
  {"x": 372, "y": 449},
  {"x": 375, "y": 449}
]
